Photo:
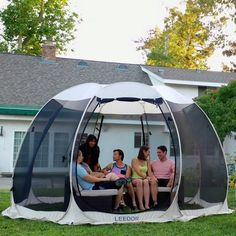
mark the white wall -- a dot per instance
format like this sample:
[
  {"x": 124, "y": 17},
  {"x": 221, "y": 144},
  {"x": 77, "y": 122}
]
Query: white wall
[
  {"x": 122, "y": 137},
  {"x": 189, "y": 91},
  {"x": 10, "y": 124}
]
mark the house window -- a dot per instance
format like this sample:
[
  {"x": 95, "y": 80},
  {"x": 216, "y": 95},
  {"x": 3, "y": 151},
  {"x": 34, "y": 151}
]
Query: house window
[
  {"x": 138, "y": 139},
  {"x": 61, "y": 150},
  {"x": 41, "y": 159},
  {"x": 18, "y": 139}
]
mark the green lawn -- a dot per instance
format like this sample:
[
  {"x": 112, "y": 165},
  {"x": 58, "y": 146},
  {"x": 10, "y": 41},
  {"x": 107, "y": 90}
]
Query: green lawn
[{"x": 212, "y": 225}]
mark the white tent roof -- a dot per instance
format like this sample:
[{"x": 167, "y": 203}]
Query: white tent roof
[{"x": 122, "y": 90}]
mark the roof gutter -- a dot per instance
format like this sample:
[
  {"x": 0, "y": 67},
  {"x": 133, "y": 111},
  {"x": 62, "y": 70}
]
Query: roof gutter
[
  {"x": 156, "y": 79},
  {"x": 19, "y": 110}
]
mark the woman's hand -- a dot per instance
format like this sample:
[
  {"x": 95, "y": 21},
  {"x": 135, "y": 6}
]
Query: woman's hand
[
  {"x": 148, "y": 178},
  {"x": 151, "y": 178}
]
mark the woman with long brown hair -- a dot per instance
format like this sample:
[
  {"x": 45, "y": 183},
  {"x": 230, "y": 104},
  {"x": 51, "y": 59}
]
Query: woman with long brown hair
[
  {"x": 143, "y": 179},
  {"x": 91, "y": 151}
]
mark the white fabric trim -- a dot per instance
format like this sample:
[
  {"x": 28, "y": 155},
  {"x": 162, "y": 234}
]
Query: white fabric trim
[
  {"x": 74, "y": 215},
  {"x": 17, "y": 211},
  {"x": 213, "y": 210}
]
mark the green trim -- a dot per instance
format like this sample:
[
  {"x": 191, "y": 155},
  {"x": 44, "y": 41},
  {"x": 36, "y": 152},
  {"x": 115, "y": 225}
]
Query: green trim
[{"x": 19, "y": 110}]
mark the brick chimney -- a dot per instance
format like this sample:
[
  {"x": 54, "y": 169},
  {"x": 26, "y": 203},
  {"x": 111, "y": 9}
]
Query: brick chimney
[{"x": 49, "y": 50}]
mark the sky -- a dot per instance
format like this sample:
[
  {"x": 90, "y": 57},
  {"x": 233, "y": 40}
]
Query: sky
[{"x": 109, "y": 29}]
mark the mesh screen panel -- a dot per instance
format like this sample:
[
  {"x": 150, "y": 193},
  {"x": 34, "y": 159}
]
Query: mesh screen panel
[
  {"x": 174, "y": 140},
  {"x": 204, "y": 172},
  {"x": 39, "y": 184}
]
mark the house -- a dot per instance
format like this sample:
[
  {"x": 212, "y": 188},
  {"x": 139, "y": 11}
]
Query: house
[{"x": 28, "y": 82}]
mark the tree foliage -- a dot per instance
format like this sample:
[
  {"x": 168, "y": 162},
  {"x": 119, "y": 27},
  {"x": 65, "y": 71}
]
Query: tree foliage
[
  {"x": 228, "y": 9},
  {"x": 187, "y": 39},
  {"x": 27, "y": 23},
  {"x": 230, "y": 52},
  {"x": 220, "y": 106}
]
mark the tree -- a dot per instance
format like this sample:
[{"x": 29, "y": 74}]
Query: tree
[
  {"x": 228, "y": 9},
  {"x": 3, "y": 47},
  {"x": 231, "y": 51},
  {"x": 220, "y": 106},
  {"x": 186, "y": 41},
  {"x": 27, "y": 23}
]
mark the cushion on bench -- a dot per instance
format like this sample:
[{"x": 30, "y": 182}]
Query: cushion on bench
[
  {"x": 91, "y": 193},
  {"x": 164, "y": 189}
]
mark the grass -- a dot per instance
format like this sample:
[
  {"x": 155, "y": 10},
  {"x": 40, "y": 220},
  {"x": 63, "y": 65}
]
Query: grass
[{"x": 211, "y": 225}]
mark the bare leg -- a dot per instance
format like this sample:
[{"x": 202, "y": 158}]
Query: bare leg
[
  {"x": 146, "y": 192},
  {"x": 138, "y": 183},
  {"x": 154, "y": 191},
  {"x": 131, "y": 193},
  {"x": 118, "y": 198}
]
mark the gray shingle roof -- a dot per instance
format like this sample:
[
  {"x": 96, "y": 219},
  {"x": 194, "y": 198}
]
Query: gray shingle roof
[
  {"x": 192, "y": 75},
  {"x": 30, "y": 80}
]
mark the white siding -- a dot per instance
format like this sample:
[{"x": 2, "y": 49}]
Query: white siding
[
  {"x": 122, "y": 136},
  {"x": 187, "y": 90},
  {"x": 10, "y": 124}
]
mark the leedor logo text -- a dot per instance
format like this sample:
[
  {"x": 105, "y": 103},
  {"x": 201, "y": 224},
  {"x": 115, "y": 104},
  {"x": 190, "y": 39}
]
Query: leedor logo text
[{"x": 126, "y": 218}]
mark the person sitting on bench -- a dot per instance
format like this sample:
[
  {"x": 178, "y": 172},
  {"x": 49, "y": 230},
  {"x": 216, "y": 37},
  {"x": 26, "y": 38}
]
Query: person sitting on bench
[
  {"x": 90, "y": 182},
  {"x": 122, "y": 170},
  {"x": 163, "y": 168},
  {"x": 143, "y": 179}
]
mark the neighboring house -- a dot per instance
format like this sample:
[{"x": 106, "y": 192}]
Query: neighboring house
[
  {"x": 28, "y": 82},
  {"x": 193, "y": 83}
]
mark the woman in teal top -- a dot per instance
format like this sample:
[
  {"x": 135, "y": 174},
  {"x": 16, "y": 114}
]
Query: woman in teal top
[
  {"x": 90, "y": 182},
  {"x": 143, "y": 178}
]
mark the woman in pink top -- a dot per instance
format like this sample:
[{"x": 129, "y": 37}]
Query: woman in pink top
[{"x": 163, "y": 169}]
